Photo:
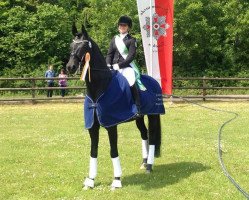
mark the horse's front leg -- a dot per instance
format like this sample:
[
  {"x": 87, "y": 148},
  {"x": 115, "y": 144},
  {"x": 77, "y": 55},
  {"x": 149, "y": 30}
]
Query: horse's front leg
[
  {"x": 94, "y": 135},
  {"x": 113, "y": 139}
]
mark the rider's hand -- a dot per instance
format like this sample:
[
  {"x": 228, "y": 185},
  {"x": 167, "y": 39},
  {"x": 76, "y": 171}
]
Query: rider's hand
[
  {"x": 116, "y": 67},
  {"x": 110, "y": 66}
]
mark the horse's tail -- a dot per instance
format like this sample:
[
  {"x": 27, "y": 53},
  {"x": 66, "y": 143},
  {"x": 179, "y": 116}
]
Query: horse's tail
[{"x": 155, "y": 132}]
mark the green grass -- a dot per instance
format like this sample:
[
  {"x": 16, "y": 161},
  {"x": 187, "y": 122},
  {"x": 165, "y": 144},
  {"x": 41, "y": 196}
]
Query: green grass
[{"x": 44, "y": 154}]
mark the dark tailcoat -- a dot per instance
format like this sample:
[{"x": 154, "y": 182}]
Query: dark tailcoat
[{"x": 114, "y": 57}]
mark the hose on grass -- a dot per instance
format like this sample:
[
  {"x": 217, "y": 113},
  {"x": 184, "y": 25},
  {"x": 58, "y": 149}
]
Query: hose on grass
[{"x": 224, "y": 169}]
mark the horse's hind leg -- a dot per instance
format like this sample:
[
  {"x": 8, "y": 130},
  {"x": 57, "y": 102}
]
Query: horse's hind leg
[
  {"x": 94, "y": 135},
  {"x": 113, "y": 139},
  {"x": 154, "y": 140},
  {"x": 144, "y": 135}
]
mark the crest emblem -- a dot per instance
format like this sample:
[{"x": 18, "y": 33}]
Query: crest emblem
[{"x": 159, "y": 26}]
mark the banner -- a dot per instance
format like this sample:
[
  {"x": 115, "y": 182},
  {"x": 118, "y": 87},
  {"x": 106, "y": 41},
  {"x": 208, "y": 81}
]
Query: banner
[{"x": 158, "y": 46}]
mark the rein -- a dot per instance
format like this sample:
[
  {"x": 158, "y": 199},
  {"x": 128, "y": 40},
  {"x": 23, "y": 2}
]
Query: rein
[
  {"x": 99, "y": 69},
  {"x": 87, "y": 66}
]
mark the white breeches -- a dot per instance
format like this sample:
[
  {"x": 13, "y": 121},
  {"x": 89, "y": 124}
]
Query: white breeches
[{"x": 129, "y": 74}]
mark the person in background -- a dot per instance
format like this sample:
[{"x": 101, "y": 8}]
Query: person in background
[
  {"x": 63, "y": 82},
  {"x": 50, "y": 82}
]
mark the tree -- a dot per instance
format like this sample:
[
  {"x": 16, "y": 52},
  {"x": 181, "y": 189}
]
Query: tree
[
  {"x": 210, "y": 37},
  {"x": 101, "y": 18},
  {"x": 198, "y": 38},
  {"x": 237, "y": 40},
  {"x": 32, "y": 39}
]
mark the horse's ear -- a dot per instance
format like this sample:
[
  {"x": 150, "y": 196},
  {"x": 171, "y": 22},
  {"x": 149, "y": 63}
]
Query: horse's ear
[
  {"x": 74, "y": 29},
  {"x": 84, "y": 32}
]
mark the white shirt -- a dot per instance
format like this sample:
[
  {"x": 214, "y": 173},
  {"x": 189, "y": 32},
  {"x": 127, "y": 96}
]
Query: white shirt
[{"x": 122, "y": 35}]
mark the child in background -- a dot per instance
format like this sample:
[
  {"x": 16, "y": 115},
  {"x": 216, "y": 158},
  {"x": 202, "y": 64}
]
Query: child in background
[{"x": 63, "y": 82}]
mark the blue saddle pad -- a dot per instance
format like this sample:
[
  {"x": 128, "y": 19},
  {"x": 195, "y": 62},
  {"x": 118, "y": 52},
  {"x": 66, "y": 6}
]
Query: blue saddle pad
[{"x": 116, "y": 105}]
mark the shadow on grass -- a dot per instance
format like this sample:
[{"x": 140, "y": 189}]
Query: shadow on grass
[{"x": 164, "y": 175}]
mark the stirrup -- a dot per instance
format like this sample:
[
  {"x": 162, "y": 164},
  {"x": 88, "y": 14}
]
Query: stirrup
[{"x": 88, "y": 183}]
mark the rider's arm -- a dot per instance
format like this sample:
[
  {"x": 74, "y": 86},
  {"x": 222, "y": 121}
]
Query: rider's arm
[
  {"x": 131, "y": 54},
  {"x": 110, "y": 54}
]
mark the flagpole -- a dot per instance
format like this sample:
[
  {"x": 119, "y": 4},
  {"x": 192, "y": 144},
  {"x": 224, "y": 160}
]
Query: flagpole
[{"x": 151, "y": 40}]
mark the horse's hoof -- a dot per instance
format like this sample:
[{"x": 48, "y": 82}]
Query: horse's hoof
[
  {"x": 86, "y": 187},
  {"x": 88, "y": 184},
  {"x": 113, "y": 188},
  {"x": 148, "y": 168},
  {"x": 116, "y": 184},
  {"x": 143, "y": 166}
]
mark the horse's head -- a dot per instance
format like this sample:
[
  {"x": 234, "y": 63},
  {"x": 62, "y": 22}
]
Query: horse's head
[
  {"x": 98, "y": 75},
  {"x": 80, "y": 45}
]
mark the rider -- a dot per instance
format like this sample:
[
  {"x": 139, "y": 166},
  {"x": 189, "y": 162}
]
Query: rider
[{"x": 121, "y": 54}]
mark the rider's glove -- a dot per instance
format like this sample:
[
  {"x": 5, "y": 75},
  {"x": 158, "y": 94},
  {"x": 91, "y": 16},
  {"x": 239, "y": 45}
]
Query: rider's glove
[{"x": 116, "y": 67}]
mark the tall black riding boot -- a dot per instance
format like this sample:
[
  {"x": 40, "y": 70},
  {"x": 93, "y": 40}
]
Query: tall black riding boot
[{"x": 136, "y": 97}]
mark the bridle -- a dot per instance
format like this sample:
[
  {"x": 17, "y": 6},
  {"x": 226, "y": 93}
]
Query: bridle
[
  {"x": 74, "y": 53},
  {"x": 81, "y": 58}
]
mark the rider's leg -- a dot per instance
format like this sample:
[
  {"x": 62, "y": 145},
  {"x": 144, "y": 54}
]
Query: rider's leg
[
  {"x": 136, "y": 97},
  {"x": 129, "y": 74}
]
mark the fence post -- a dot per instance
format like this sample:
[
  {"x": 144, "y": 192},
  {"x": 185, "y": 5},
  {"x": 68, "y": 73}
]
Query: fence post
[
  {"x": 204, "y": 91},
  {"x": 33, "y": 90}
]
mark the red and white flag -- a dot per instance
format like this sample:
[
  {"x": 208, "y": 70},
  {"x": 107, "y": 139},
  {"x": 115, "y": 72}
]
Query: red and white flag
[{"x": 158, "y": 49}]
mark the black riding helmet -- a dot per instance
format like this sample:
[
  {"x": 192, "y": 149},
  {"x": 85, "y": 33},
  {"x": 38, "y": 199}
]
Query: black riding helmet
[{"x": 125, "y": 20}]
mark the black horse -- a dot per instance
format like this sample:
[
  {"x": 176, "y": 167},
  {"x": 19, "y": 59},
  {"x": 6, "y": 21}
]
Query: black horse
[{"x": 97, "y": 82}]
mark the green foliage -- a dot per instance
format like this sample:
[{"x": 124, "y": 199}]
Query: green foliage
[
  {"x": 202, "y": 34},
  {"x": 101, "y": 18},
  {"x": 237, "y": 29},
  {"x": 33, "y": 39},
  {"x": 197, "y": 37},
  {"x": 210, "y": 38}
]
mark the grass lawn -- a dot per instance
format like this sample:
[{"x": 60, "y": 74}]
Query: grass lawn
[{"x": 44, "y": 154}]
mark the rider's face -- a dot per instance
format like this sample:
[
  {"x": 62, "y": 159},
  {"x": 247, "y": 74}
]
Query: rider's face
[{"x": 123, "y": 28}]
